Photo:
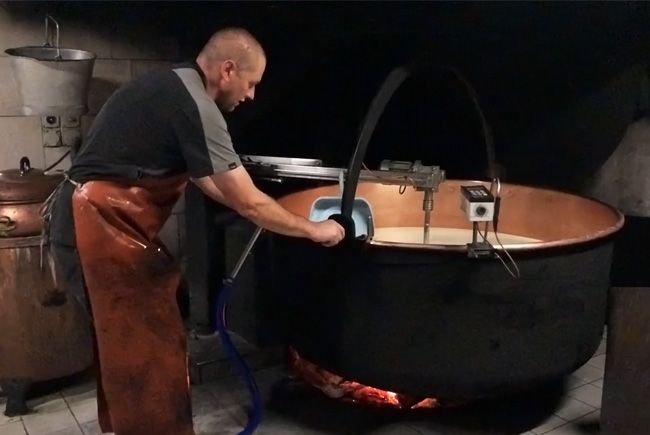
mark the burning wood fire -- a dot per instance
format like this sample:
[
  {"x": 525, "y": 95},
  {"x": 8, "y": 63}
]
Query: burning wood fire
[{"x": 336, "y": 387}]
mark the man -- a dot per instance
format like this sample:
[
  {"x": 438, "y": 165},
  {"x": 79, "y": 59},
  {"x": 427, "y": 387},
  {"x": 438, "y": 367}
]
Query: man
[{"x": 150, "y": 137}]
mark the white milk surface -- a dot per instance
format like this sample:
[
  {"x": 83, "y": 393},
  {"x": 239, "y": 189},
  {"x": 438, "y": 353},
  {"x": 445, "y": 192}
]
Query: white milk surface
[{"x": 443, "y": 236}]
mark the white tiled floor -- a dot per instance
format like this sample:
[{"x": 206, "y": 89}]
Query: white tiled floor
[
  {"x": 218, "y": 410},
  {"x": 579, "y": 411}
]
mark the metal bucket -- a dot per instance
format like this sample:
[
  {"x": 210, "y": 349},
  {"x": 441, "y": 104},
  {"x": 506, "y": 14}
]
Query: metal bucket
[{"x": 52, "y": 80}]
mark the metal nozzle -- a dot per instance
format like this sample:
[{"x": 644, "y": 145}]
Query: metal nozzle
[{"x": 427, "y": 206}]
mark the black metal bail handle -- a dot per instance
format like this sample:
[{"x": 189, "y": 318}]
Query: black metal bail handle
[{"x": 383, "y": 96}]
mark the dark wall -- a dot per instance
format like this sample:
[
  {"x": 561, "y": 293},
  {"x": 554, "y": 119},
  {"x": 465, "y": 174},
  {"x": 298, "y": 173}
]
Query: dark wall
[{"x": 527, "y": 62}]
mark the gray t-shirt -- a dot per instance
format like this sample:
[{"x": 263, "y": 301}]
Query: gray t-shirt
[{"x": 161, "y": 124}]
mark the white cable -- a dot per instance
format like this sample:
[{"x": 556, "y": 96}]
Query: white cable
[
  {"x": 496, "y": 235},
  {"x": 516, "y": 274}
]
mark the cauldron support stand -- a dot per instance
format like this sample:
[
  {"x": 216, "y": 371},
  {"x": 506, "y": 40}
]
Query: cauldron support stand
[{"x": 16, "y": 390}]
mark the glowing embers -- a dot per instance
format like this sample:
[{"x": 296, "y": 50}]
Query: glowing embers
[{"x": 336, "y": 387}]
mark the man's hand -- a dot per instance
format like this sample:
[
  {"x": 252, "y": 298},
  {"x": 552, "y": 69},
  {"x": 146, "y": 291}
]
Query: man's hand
[{"x": 328, "y": 233}]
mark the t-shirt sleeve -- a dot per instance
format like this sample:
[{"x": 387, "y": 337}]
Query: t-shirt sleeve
[
  {"x": 202, "y": 131},
  {"x": 206, "y": 143},
  {"x": 222, "y": 154}
]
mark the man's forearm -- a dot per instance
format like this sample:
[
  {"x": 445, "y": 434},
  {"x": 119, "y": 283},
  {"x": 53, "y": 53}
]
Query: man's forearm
[
  {"x": 261, "y": 209},
  {"x": 264, "y": 211}
]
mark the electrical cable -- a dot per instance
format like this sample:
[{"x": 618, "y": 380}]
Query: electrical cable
[
  {"x": 53, "y": 165},
  {"x": 485, "y": 127},
  {"x": 495, "y": 224},
  {"x": 517, "y": 273}
]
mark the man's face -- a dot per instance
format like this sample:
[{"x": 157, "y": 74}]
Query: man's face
[{"x": 238, "y": 83}]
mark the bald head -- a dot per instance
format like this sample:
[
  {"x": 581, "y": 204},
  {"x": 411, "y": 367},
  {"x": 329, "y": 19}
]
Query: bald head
[
  {"x": 233, "y": 63},
  {"x": 234, "y": 44}
]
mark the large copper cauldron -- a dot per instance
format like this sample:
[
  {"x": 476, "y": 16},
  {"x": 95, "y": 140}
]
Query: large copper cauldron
[
  {"x": 45, "y": 332},
  {"x": 428, "y": 321}
]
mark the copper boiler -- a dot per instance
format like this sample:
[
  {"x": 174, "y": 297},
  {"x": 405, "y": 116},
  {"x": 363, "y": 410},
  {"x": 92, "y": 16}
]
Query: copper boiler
[
  {"x": 427, "y": 320},
  {"x": 45, "y": 332}
]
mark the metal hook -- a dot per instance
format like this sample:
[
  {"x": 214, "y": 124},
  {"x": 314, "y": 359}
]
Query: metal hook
[{"x": 48, "y": 39}]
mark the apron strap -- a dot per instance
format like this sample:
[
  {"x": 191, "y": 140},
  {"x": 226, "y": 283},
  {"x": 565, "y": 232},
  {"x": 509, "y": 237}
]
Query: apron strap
[{"x": 46, "y": 211}]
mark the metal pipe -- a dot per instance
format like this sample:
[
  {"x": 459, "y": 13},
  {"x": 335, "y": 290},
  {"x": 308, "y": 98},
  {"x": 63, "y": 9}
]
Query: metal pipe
[
  {"x": 427, "y": 219},
  {"x": 427, "y": 206},
  {"x": 474, "y": 231},
  {"x": 244, "y": 255}
]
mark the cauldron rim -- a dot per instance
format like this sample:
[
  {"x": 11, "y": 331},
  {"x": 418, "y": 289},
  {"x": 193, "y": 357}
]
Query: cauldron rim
[{"x": 605, "y": 232}]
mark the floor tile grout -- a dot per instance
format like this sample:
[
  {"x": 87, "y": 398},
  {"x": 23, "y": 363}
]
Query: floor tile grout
[{"x": 73, "y": 415}]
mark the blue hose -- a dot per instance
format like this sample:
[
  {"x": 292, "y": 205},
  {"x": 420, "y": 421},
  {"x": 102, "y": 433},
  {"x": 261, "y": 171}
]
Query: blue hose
[{"x": 255, "y": 417}]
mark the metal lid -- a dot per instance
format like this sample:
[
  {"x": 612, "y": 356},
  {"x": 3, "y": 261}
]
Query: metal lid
[{"x": 26, "y": 185}]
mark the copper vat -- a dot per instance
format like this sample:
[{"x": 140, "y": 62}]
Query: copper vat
[
  {"x": 428, "y": 321},
  {"x": 45, "y": 331}
]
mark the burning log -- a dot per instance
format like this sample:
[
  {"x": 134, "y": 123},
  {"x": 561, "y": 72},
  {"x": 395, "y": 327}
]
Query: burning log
[{"x": 336, "y": 387}]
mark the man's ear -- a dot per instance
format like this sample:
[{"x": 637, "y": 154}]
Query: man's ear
[{"x": 227, "y": 68}]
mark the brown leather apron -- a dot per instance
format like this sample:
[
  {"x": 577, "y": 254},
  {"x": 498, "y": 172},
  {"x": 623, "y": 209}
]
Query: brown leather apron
[{"x": 142, "y": 387}]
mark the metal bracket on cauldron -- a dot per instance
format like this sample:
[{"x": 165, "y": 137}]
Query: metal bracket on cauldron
[
  {"x": 426, "y": 178},
  {"x": 398, "y": 173}
]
